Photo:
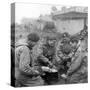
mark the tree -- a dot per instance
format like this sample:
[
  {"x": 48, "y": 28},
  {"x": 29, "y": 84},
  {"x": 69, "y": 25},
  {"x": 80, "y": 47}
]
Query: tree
[{"x": 53, "y": 8}]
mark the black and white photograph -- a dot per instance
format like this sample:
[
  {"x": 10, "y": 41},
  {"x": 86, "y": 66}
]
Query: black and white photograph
[{"x": 49, "y": 44}]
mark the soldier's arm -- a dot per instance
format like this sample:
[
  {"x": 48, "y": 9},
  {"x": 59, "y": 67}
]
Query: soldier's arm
[
  {"x": 24, "y": 64},
  {"x": 59, "y": 55},
  {"x": 75, "y": 63},
  {"x": 44, "y": 59}
]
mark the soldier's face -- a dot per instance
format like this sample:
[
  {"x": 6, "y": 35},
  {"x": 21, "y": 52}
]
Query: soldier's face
[
  {"x": 51, "y": 42},
  {"x": 31, "y": 43},
  {"x": 74, "y": 44}
]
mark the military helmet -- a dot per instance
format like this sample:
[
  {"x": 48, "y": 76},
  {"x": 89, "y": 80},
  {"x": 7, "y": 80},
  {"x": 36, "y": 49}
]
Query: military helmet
[
  {"x": 33, "y": 37},
  {"x": 83, "y": 34},
  {"x": 74, "y": 39},
  {"x": 65, "y": 38}
]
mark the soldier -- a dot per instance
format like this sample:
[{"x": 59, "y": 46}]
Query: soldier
[
  {"x": 42, "y": 53},
  {"x": 77, "y": 72},
  {"x": 62, "y": 52},
  {"x": 49, "y": 48},
  {"x": 25, "y": 72},
  {"x": 45, "y": 59}
]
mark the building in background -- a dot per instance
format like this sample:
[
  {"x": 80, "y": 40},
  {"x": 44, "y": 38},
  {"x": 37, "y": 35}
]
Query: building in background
[{"x": 70, "y": 20}]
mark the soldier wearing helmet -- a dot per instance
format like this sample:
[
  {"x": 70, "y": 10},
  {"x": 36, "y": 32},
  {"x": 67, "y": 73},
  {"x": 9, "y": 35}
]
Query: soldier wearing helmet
[
  {"x": 62, "y": 54},
  {"x": 25, "y": 72}
]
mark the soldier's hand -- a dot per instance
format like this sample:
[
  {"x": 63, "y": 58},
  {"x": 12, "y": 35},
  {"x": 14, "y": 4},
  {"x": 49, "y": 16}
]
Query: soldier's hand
[
  {"x": 64, "y": 76},
  {"x": 53, "y": 70},
  {"x": 37, "y": 72},
  {"x": 45, "y": 68}
]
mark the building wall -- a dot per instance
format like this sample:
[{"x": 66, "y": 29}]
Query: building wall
[{"x": 70, "y": 26}]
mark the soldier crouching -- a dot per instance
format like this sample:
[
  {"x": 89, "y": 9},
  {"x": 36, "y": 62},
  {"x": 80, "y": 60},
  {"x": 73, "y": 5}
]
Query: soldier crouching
[
  {"x": 25, "y": 72},
  {"x": 45, "y": 61}
]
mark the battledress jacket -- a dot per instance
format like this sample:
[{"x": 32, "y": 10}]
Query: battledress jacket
[
  {"x": 78, "y": 69},
  {"x": 24, "y": 69}
]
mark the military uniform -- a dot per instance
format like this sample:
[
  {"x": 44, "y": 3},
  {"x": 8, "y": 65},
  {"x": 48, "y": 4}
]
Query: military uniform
[
  {"x": 62, "y": 55},
  {"x": 25, "y": 72},
  {"x": 45, "y": 58},
  {"x": 78, "y": 69}
]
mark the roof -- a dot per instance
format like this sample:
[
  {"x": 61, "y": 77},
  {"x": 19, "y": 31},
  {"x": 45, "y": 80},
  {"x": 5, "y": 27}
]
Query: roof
[{"x": 70, "y": 15}]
